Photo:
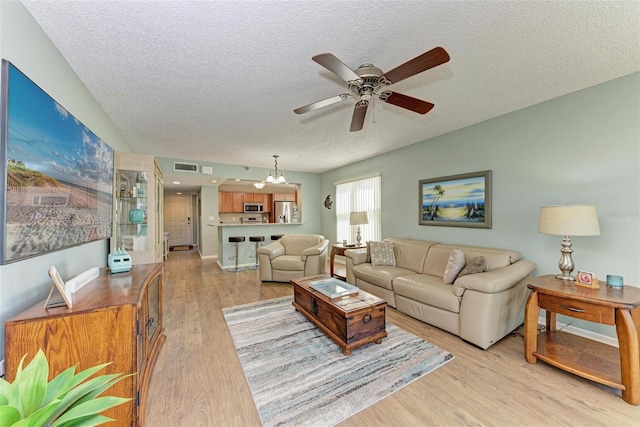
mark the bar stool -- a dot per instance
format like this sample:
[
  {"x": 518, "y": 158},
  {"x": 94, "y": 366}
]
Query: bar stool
[
  {"x": 236, "y": 240},
  {"x": 256, "y": 239},
  {"x": 276, "y": 236}
]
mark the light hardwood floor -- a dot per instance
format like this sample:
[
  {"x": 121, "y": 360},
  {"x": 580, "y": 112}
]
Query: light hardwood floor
[{"x": 198, "y": 380}]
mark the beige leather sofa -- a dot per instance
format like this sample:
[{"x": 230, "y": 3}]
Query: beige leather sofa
[
  {"x": 292, "y": 256},
  {"x": 480, "y": 308}
]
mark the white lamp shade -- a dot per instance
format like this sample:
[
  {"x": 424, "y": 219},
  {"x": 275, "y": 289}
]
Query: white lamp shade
[
  {"x": 569, "y": 220},
  {"x": 259, "y": 185},
  {"x": 357, "y": 218}
]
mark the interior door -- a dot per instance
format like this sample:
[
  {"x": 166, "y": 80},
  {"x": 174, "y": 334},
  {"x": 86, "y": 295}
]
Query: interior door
[{"x": 178, "y": 219}]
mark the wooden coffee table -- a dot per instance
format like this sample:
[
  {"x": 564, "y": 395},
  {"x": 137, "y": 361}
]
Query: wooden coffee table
[{"x": 351, "y": 321}]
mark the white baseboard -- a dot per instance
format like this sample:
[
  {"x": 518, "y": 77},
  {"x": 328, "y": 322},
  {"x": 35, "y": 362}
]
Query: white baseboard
[{"x": 605, "y": 339}]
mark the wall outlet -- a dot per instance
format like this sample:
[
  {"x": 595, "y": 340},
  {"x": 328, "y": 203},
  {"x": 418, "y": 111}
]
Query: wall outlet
[{"x": 212, "y": 218}]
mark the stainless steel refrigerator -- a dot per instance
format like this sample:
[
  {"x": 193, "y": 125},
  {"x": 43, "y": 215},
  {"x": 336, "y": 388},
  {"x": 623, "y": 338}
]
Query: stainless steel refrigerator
[{"x": 284, "y": 211}]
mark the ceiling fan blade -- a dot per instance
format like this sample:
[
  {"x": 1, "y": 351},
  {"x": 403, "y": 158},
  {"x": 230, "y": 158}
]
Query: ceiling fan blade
[
  {"x": 320, "y": 104},
  {"x": 433, "y": 58},
  {"x": 333, "y": 64},
  {"x": 359, "y": 111},
  {"x": 408, "y": 102}
]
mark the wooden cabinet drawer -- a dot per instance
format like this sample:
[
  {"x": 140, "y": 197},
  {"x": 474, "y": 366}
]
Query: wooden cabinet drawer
[{"x": 578, "y": 309}]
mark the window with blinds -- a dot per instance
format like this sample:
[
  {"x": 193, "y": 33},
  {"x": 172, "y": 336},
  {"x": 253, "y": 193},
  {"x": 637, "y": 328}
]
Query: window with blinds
[{"x": 358, "y": 196}]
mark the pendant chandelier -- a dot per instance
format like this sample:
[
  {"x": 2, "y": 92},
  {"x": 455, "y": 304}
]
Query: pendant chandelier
[{"x": 275, "y": 178}]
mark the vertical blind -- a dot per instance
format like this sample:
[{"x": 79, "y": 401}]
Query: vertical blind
[{"x": 357, "y": 196}]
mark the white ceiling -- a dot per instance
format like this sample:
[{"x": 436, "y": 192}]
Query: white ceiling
[{"x": 218, "y": 80}]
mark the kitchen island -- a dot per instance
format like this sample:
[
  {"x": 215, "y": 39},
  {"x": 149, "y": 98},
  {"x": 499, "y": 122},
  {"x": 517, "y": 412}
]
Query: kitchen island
[{"x": 247, "y": 249}]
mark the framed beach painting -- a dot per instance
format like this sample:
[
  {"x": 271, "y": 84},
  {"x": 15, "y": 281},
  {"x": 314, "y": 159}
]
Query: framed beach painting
[
  {"x": 57, "y": 192},
  {"x": 456, "y": 201}
]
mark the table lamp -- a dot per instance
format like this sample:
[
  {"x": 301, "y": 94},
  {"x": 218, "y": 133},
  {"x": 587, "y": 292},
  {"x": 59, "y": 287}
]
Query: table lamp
[
  {"x": 568, "y": 220},
  {"x": 357, "y": 218}
]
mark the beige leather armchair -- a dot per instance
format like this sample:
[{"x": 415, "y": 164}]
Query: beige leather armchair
[{"x": 292, "y": 256}]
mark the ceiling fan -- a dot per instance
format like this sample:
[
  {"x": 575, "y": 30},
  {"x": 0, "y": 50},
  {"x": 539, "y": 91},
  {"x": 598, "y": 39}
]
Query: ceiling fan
[{"x": 368, "y": 80}]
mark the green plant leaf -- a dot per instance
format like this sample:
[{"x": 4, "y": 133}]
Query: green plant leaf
[
  {"x": 81, "y": 390},
  {"x": 5, "y": 390},
  {"x": 38, "y": 418},
  {"x": 88, "y": 421},
  {"x": 90, "y": 407},
  {"x": 61, "y": 384},
  {"x": 32, "y": 387},
  {"x": 8, "y": 415},
  {"x": 12, "y": 394},
  {"x": 96, "y": 391}
]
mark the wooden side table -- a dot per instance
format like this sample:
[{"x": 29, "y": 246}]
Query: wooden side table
[
  {"x": 338, "y": 249},
  {"x": 614, "y": 367}
]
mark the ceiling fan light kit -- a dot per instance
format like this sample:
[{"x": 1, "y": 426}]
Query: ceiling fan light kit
[{"x": 368, "y": 81}]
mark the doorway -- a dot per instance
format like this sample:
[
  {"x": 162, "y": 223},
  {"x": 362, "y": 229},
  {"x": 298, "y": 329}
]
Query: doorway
[{"x": 178, "y": 219}]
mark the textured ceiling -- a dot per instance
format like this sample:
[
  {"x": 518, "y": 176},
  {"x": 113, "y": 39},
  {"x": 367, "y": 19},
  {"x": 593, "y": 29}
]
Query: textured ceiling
[{"x": 218, "y": 80}]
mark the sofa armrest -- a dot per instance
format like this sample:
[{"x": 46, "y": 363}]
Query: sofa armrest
[
  {"x": 357, "y": 256},
  {"x": 272, "y": 250},
  {"x": 494, "y": 281},
  {"x": 316, "y": 250}
]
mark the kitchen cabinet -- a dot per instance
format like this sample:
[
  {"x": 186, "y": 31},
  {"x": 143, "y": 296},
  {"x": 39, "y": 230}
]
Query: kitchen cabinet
[
  {"x": 115, "y": 318},
  {"x": 229, "y": 202},
  {"x": 138, "y": 208},
  {"x": 284, "y": 197}
]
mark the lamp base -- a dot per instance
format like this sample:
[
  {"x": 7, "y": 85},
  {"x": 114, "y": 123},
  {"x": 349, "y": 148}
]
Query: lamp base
[{"x": 566, "y": 277}]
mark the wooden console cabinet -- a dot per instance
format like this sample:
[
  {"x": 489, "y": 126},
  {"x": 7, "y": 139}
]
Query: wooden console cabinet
[{"x": 115, "y": 318}]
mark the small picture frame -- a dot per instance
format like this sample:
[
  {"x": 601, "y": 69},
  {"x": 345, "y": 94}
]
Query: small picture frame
[
  {"x": 586, "y": 279},
  {"x": 62, "y": 289}
]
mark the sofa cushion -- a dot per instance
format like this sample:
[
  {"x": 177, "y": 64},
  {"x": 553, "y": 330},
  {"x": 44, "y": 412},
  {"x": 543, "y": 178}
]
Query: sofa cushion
[
  {"x": 295, "y": 244},
  {"x": 382, "y": 253},
  {"x": 455, "y": 264},
  {"x": 410, "y": 253},
  {"x": 288, "y": 262},
  {"x": 379, "y": 275},
  {"x": 438, "y": 256},
  {"x": 428, "y": 290},
  {"x": 476, "y": 265}
]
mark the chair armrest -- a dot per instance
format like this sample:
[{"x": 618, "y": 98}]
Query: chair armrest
[
  {"x": 273, "y": 250},
  {"x": 317, "y": 249},
  {"x": 494, "y": 281},
  {"x": 358, "y": 256}
]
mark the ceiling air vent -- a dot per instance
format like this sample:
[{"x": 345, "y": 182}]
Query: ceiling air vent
[{"x": 185, "y": 167}]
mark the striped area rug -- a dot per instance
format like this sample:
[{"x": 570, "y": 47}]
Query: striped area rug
[{"x": 299, "y": 377}]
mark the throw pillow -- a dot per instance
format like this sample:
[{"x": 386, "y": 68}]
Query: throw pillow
[
  {"x": 454, "y": 266},
  {"x": 476, "y": 265},
  {"x": 382, "y": 253}
]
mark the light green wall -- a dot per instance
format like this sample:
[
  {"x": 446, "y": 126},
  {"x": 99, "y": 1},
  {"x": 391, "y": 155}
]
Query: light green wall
[
  {"x": 22, "y": 42},
  {"x": 582, "y": 148}
]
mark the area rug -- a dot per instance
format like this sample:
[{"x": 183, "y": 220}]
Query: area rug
[{"x": 299, "y": 377}]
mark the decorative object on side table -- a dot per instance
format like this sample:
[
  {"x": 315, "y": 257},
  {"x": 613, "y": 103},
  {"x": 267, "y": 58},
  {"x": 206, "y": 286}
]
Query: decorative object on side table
[
  {"x": 358, "y": 218},
  {"x": 614, "y": 281},
  {"x": 568, "y": 220},
  {"x": 587, "y": 280},
  {"x": 119, "y": 261}
]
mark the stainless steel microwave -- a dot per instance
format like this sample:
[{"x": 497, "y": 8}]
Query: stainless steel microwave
[{"x": 253, "y": 207}]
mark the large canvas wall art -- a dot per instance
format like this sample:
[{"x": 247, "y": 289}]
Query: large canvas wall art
[
  {"x": 456, "y": 201},
  {"x": 58, "y": 186}
]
